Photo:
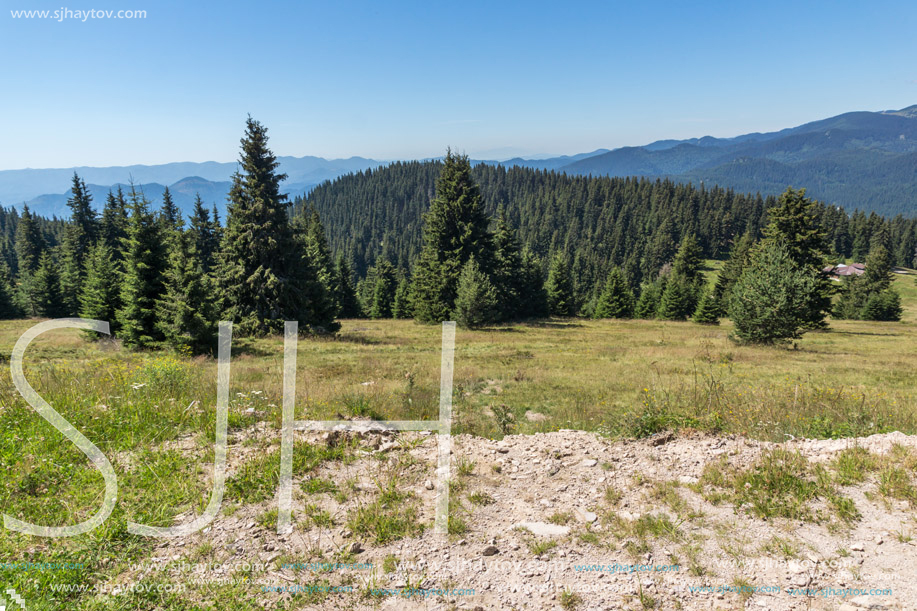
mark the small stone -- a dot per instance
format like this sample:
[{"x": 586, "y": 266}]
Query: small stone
[
  {"x": 590, "y": 462},
  {"x": 490, "y": 550},
  {"x": 428, "y": 485},
  {"x": 857, "y": 547},
  {"x": 590, "y": 517},
  {"x": 356, "y": 548}
]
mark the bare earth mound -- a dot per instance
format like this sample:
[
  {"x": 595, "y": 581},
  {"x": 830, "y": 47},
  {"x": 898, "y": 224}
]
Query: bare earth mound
[{"x": 571, "y": 520}]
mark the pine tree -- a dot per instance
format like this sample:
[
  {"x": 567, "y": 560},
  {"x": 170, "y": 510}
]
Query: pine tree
[
  {"x": 204, "y": 236},
  {"x": 265, "y": 273},
  {"x": 708, "y": 311},
  {"x": 186, "y": 314},
  {"x": 794, "y": 223},
  {"x": 384, "y": 288},
  {"x": 345, "y": 294},
  {"x": 477, "y": 300},
  {"x": 456, "y": 229},
  {"x": 559, "y": 288},
  {"x": 616, "y": 299},
  {"x": 770, "y": 301},
  {"x": 99, "y": 297},
  {"x": 142, "y": 283},
  {"x": 402, "y": 308}
]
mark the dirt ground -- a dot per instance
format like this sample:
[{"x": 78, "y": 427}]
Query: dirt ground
[{"x": 553, "y": 525}]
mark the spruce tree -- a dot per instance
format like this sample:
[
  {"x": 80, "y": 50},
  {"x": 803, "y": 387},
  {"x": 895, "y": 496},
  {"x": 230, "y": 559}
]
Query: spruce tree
[
  {"x": 559, "y": 288},
  {"x": 455, "y": 229},
  {"x": 203, "y": 235},
  {"x": 732, "y": 269},
  {"x": 770, "y": 301},
  {"x": 679, "y": 298},
  {"x": 145, "y": 257},
  {"x": 794, "y": 224},
  {"x": 508, "y": 276},
  {"x": 616, "y": 299},
  {"x": 8, "y": 307},
  {"x": 29, "y": 242},
  {"x": 648, "y": 301},
  {"x": 477, "y": 300},
  {"x": 83, "y": 216},
  {"x": 47, "y": 292},
  {"x": 533, "y": 298},
  {"x": 186, "y": 315},
  {"x": 114, "y": 223},
  {"x": 169, "y": 215},
  {"x": 266, "y": 276},
  {"x": 402, "y": 307},
  {"x": 319, "y": 253},
  {"x": 708, "y": 311},
  {"x": 99, "y": 296},
  {"x": 345, "y": 294},
  {"x": 384, "y": 288}
]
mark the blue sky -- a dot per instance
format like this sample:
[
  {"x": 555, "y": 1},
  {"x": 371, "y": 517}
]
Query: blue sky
[{"x": 407, "y": 79}]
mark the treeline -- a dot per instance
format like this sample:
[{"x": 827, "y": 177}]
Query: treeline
[
  {"x": 594, "y": 223},
  {"x": 438, "y": 241},
  {"x": 159, "y": 280}
]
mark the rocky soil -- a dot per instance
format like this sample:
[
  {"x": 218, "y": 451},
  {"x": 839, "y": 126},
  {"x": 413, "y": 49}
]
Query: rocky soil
[{"x": 540, "y": 509}]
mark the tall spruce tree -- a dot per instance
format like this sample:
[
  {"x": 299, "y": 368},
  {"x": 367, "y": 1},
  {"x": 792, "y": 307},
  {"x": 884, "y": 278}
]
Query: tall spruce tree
[
  {"x": 266, "y": 276},
  {"x": 559, "y": 288},
  {"x": 456, "y": 229},
  {"x": 616, "y": 299},
  {"x": 795, "y": 224},
  {"x": 145, "y": 257}
]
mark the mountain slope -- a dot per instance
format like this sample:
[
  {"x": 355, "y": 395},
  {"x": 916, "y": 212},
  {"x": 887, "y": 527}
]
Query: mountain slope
[{"x": 862, "y": 160}]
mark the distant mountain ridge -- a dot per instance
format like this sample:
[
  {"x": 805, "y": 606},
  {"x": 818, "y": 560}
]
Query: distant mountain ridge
[{"x": 864, "y": 160}]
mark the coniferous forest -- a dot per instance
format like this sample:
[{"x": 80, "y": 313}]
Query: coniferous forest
[{"x": 444, "y": 240}]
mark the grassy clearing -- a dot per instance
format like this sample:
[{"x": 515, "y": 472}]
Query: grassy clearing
[{"x": 152, "y": 414}]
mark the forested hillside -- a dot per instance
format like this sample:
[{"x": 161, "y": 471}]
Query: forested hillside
[{"x": 595, "y": 222}]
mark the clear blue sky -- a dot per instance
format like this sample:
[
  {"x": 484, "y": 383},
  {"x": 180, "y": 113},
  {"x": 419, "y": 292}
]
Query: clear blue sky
[{"x": 406, "y": 79}]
